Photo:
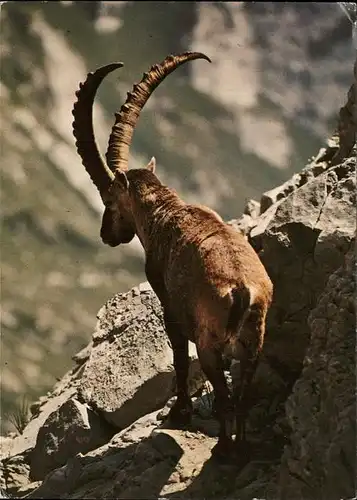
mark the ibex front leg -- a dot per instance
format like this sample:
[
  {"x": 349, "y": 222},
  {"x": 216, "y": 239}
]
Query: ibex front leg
[{"x": 180, "y": 414}]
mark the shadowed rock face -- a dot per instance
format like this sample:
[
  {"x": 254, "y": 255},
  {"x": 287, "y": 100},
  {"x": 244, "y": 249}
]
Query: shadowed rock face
[
  {"x": 320, "y": 461},
  {"x": 100, "y": 426}
]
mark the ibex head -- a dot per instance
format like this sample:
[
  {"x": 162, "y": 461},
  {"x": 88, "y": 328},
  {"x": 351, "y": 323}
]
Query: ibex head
[
  {"x": 118, "y": 225},
  {"x": 112, "y": 177}
]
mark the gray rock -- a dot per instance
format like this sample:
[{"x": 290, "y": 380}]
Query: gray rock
[
  {"x": 302, "y": 239},
  {"x": 15, "y": 455},
  {"x": 62, "y": 391},
  {"x": 252, "y": 208},
  {"x": 249, "y": 218},
  {"x": 83, "y": 354},
  {"x": 313, "y": 169},
  {"x": 15, "y": 473},
  {"x": 129, "y": 371},
  {"x": 320, "y": 462},
  {"x": 71, "y": 429}
]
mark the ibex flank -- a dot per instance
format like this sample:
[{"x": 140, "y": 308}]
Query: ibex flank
[{"x": 212, "y": 285}]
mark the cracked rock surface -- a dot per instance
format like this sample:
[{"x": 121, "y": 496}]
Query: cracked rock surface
[
  {"x": 320, "y": 461},
  {"x": 302, "y": 239}
]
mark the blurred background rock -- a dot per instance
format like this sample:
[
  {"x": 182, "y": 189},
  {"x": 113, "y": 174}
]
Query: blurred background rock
[{"x": 221, "y": 133}]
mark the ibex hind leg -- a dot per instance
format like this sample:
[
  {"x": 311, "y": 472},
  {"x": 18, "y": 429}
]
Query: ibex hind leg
[
  {"x": 212, "y": 365},
  {"x": 241, "y": 404},
  {"x": 181, "y": 413},
  {"x": 254, "y": 331}
]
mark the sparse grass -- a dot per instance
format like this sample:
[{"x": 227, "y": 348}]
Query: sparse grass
[{"x": 20, "y": 416}]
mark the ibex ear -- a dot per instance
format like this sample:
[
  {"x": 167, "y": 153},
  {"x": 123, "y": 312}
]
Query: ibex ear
[
  {"x": 121, "y": 180},
  {"x": 151, "y": 165}
]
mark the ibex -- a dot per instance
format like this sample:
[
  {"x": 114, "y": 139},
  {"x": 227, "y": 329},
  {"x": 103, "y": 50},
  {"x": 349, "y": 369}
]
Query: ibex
[{"x": 212, "y": 285}]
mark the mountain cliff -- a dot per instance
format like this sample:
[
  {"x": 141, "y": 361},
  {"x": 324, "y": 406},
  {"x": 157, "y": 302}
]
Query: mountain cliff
[{"x": 221, "y": 133}]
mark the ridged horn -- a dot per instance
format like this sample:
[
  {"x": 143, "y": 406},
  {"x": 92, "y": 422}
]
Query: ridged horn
[
  {"x": 120, "y": 138},
  {"x": 83, "y": 131}
]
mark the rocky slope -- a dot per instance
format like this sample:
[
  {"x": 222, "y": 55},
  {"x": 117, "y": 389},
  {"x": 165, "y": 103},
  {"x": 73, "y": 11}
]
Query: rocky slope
[
  {"x": 221, "y": 133},
  {"x": 101, "y": 432}
]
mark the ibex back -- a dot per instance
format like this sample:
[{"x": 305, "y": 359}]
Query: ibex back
[{"x": 212, "y": 285}]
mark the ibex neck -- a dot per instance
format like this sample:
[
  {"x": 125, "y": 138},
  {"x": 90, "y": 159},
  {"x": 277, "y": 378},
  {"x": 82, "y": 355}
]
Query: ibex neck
[{"x": 153, "y": 209}]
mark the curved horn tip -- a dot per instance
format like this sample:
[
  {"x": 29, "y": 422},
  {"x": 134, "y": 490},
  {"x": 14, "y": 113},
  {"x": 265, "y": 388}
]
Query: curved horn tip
[
  {"x": 203, "y": 56},
  {"x": 113, "y": 65},
  {"x": 104, "y": 70},
  {"x": 118, "y": 65}
]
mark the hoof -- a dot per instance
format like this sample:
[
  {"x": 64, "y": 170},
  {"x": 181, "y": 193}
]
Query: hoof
[
  {"x": 242, "y": 451},
  {"x": 224, "y": 451},
  {"x": 180, "y": 417}
]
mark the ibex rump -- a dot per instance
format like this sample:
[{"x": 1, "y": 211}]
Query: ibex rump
[{"x": 212, "y": 286}]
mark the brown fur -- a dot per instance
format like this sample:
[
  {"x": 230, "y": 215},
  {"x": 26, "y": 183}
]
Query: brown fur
[
  {"x": 200, "y": 268},
  {"x": 212, "y": 286}
]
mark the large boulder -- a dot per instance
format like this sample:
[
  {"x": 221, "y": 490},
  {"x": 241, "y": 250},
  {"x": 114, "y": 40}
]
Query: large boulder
[
  {"x": 72, "y": 428},
  {"x": 130, "y": 368}
]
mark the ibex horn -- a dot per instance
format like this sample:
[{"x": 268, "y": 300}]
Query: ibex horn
[
  {"x": 83, "y": 131},
  {"x": 120, "y": 138}
]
